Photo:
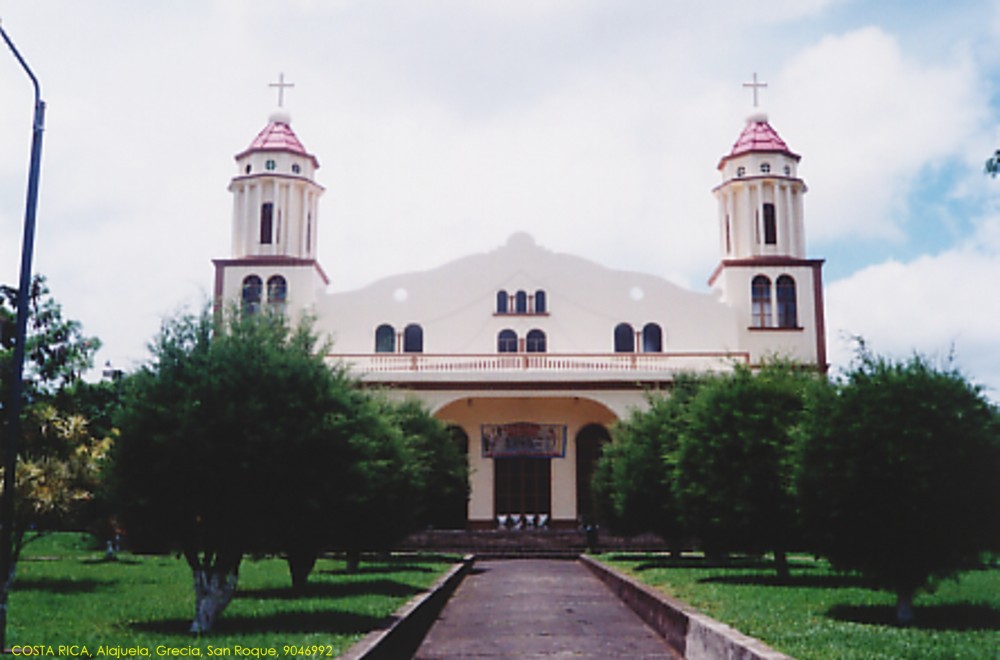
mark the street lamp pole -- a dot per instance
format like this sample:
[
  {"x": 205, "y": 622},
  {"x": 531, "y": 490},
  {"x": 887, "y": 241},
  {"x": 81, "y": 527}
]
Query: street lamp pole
[{"x": 15, "y": 402}]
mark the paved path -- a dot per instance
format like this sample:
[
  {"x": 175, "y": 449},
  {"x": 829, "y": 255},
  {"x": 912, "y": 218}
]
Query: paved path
[{"x": 535, "y": 608}]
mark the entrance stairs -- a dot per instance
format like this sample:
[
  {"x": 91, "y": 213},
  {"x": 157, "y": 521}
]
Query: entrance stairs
[{"x": 527, "y": 543}]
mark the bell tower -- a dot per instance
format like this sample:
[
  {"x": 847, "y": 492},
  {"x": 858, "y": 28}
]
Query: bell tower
[
  {"x": 272, "y": 264},
  {"x": 764, "y": 272},
  {"x": 760, "y": 197}
]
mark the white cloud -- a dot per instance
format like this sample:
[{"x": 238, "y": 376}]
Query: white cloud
[
  {"x": 930, "y": 305},
  {"x": 869, "y": 120}
]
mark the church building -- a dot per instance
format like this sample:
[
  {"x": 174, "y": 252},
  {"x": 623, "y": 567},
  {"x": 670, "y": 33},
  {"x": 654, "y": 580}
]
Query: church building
[{"x": 531, "y": 354}]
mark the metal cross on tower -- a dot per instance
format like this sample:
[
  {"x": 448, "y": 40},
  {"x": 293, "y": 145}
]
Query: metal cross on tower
[
  {"x": 281, "y": 85},
  {"x": 755, "y": 86}
]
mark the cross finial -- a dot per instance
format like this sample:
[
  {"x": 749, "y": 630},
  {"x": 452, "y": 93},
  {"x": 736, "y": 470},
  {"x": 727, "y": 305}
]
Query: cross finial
[
  {"x": 281, "y": 85},
  {"x": 755, "y": 86}
]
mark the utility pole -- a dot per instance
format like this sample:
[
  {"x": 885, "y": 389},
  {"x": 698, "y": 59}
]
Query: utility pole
[{"x": 15, "y": 402}]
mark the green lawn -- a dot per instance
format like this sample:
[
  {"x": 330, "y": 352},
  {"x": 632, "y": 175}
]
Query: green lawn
[
  {"x": 819, "y": 614},
  {"x": 67, "y": 594}
]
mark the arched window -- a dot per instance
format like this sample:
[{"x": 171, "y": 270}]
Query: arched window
[
  {"x": 760, "y": 299},
  {"x": 770, "y": 225},
  {"x": 252, "y": 289},
  {"x": 385, "y": 339},
  {"x": 652, "y": 338},
  {"x": 521, "y": 302},
  {"x": 501, "y": 302},
  {"x": 785, "y": 289},
  {"x": 535, "y": 341},
  {"x": 277, "y": 293},
  {"x": 266, "y": 223},
  {"x": 413, "y": 339},
  {"x": 507, "y": 341},
  {"x": 624, "y": 338},
  {"x": 539, "y": 302}
]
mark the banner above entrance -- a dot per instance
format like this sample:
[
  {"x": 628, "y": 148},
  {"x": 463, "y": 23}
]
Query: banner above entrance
[{"x": 525, "y": 439}]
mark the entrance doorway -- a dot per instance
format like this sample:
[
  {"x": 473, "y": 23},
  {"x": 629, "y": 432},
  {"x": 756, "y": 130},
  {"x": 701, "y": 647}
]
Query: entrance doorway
[{"x": 522, "y": 486}]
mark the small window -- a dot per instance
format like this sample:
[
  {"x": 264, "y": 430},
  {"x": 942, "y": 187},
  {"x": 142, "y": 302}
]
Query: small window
[
  {"x": 540, "y": 302},
  {"x": 252, "y": 289},
  {"x": 413, "y": 339},
  {"x": 521, "y": 302},
  {"x": 266, "y": 223},
  {"x": 652, "y": 338},
  {"x": 277, "y": 293},
  {"x": 248, "y": 168},
  {"x": 501, "y": 302},
  {"x": 507, "y": 341},
  {"x": 269, "y": 165},
  {"x": 760, "y": 302},
  {"x": 785, "y": 289},
  {"x": 296, "y": 168},
  {"x": 788, "y": 170},
  {"x": 765, "y": 168},
  {"x": 770, "y": 225},
  {"x": 740, "y": 171},
  {"x": 535, "y": 341},
  {"x": 385, "y": 339},
  {"x": 624, "y": 338}
]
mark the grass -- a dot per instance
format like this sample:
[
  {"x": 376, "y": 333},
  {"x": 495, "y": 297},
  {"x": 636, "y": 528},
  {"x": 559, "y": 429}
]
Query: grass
[
  {"x": 820, "y": 614},
  {"x": 67, "y": 594}
]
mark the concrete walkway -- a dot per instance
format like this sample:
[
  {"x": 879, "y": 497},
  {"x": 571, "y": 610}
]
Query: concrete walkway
[{"x": 537, "y": 608}]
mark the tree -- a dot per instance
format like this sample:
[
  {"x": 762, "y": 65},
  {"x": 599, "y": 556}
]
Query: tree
[
  {"x": 60, "y": 455},
  {"x": 735, "y": 470},
  {"x": 993, "y": 164},
  {"x": 56, "y": 350},
  {"x": 899, "y": 475},
  {"x": 402, "y": 471},
  {"x": 441, "y": 468},
  {"x": 633, "y": 479},
  {"x": 218, "y": 433},
  {"x": 355, "y": 491}
]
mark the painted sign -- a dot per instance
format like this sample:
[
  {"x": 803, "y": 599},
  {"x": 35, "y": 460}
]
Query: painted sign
[{"x": 524, "y": 439}]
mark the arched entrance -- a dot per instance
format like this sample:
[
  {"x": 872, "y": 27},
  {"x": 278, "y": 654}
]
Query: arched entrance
[
  {"x": 522, "y": 456},
  {"x": 590, "y": 443}
]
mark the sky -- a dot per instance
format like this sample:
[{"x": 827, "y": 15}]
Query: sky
[{"x": 444, "y": 126}]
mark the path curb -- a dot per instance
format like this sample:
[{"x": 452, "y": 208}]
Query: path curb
[
  {"x": 410, "y": 623},
  {"x": 688, "y": 632}
]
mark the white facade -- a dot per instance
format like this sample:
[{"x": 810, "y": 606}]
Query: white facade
[{"x": 528, "y": 340}]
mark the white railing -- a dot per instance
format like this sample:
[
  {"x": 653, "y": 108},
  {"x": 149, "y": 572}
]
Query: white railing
[{"x": 379, "y": 363}]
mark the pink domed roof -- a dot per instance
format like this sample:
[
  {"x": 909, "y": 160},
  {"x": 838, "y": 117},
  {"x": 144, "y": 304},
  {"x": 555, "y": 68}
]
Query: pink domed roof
[
  {"x": 758, "y": 136},
  {"x": 278, "y": 136}
]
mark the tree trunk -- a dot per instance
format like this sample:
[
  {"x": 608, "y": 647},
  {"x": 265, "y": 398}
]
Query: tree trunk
[
  {"x": 353, "y": 561},
  {"x": 213, "y": 589},
  {"x": 781, "y": 563},
  {"x": 300, "y": 565},
  {"x": 904, "y": 607}
]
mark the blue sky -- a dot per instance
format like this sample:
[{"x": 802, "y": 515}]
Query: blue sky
[{"x": 443, "y": 126}]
